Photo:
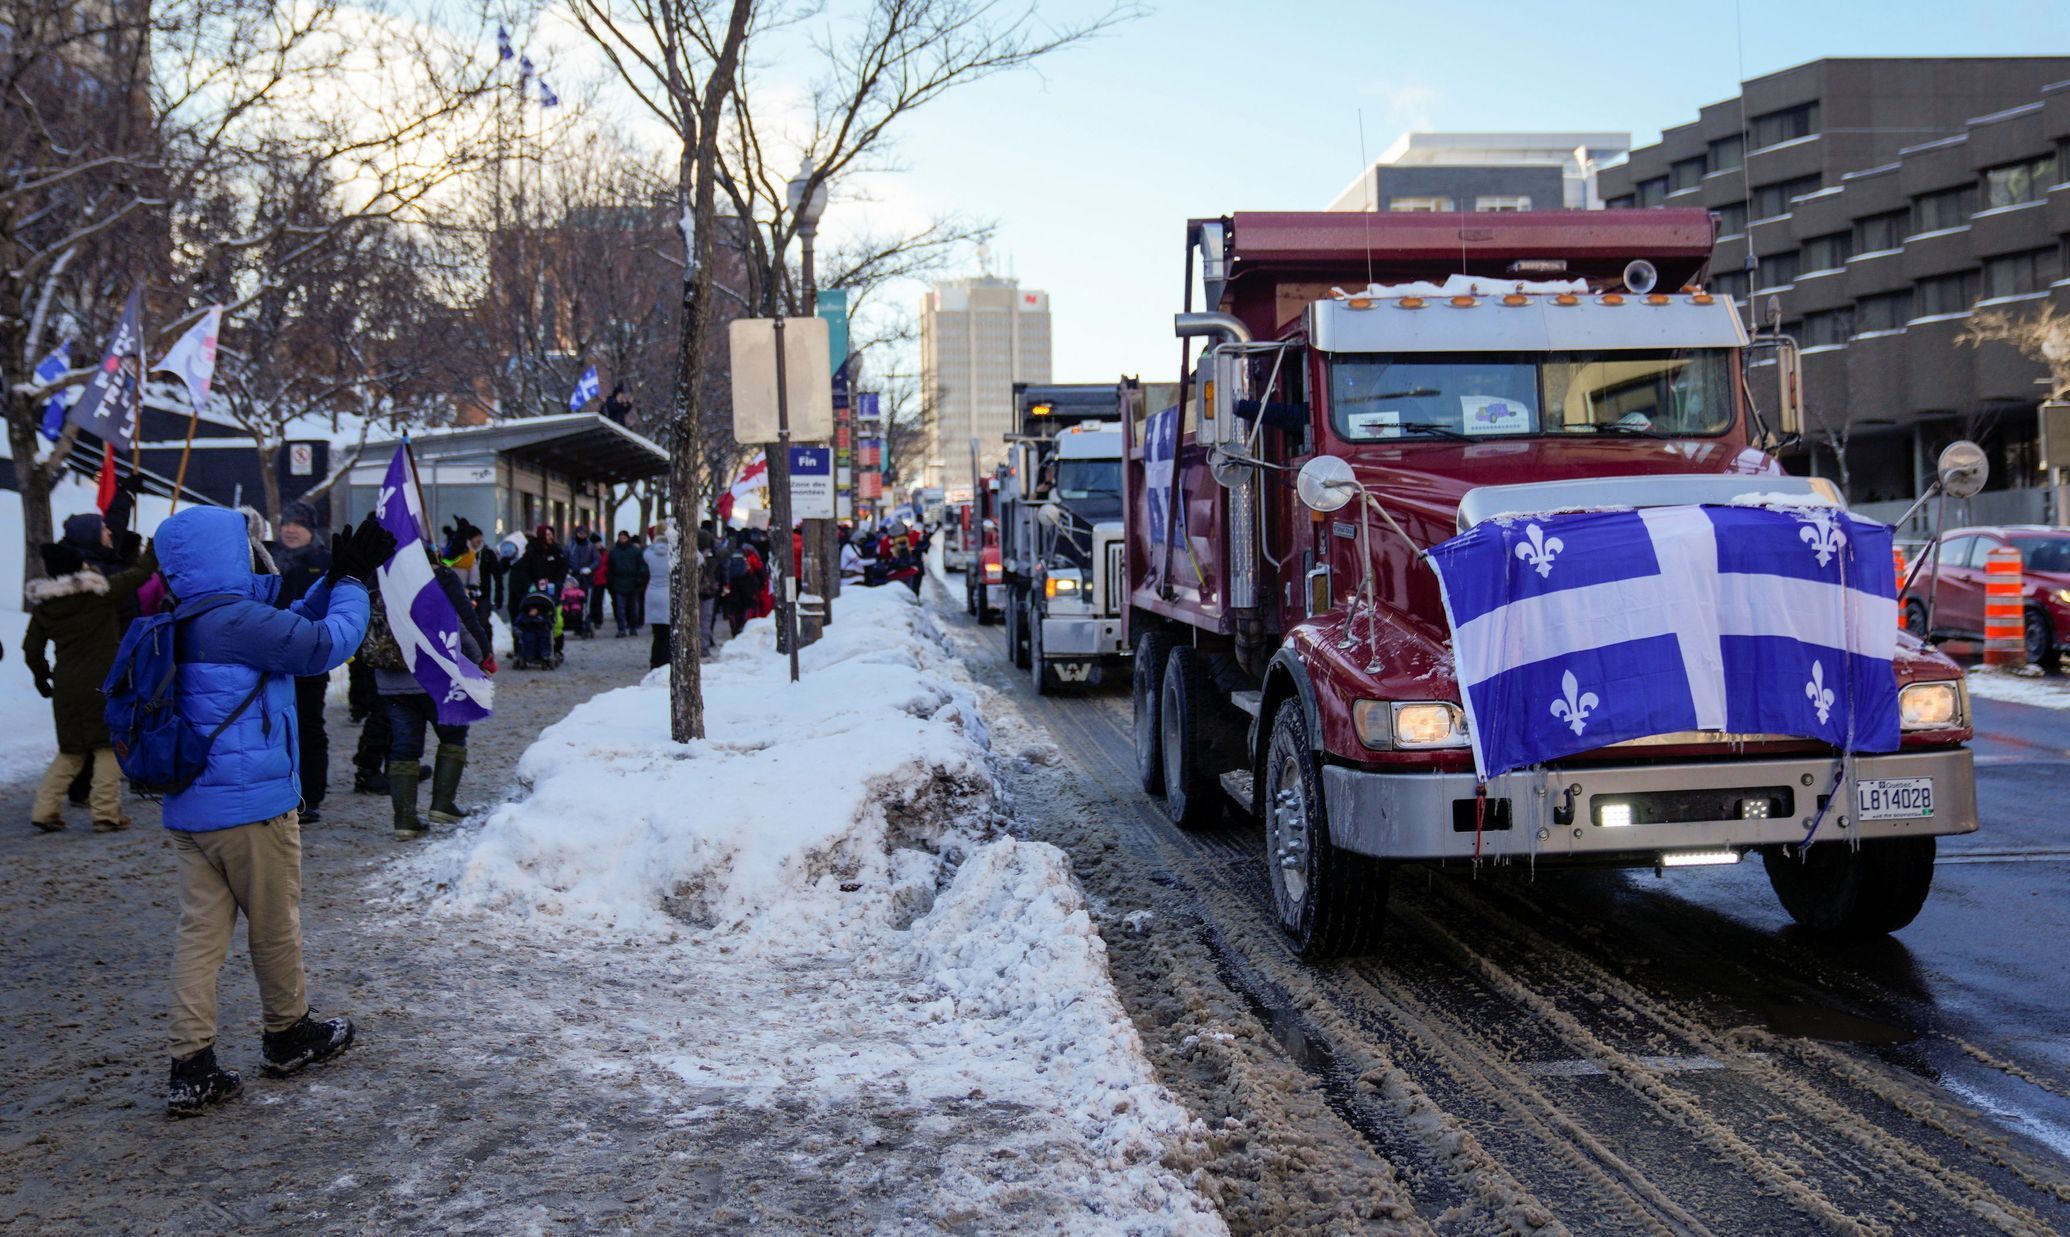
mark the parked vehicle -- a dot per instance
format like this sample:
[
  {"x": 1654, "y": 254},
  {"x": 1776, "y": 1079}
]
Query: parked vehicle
[
  {"x": 1957, "y": 600},
  {"x": 1060, "y": 532},
  {"x": 982, "y": 589},
  {"x": 956, "y": 536},
  {"x": 1444, "y": 404}
]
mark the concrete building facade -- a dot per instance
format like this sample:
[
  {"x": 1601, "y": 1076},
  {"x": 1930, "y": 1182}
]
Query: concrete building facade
[
  {"x": 1872, "y": 208},
  {"x": 977, "y": 338},
  {"x": 1485, "y": 171}
]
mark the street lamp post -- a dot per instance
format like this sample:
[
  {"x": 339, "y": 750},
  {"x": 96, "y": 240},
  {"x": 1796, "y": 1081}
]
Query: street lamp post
[{"x": 808, "y": 201}]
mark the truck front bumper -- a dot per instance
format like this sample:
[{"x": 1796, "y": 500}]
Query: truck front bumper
[
  {"x": 1556, "y": 814},
  {"x": 1074, "y": 638}
]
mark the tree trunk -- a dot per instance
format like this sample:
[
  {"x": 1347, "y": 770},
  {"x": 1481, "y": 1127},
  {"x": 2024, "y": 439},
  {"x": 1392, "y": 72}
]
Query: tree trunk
[
  {"x": 269, "y": 482},
  {"x": 686, "y": 643},
  {"x": 34, "y": 485}
]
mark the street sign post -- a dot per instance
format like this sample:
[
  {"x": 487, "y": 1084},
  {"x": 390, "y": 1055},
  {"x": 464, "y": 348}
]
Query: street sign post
[{"x": 812, "y": 483}]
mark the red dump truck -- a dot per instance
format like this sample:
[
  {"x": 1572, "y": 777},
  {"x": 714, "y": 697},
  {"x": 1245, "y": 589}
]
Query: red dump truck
[{"x": 1375, "y": 339}]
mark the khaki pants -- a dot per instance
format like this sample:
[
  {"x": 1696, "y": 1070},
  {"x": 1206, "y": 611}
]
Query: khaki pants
[
  {"x": 105, "y": 797},
  {"x": 256, "y": 869}
]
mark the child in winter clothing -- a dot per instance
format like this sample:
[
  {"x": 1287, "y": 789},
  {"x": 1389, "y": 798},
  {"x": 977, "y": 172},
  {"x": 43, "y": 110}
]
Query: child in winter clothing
[{"x": 79, "y": 610}]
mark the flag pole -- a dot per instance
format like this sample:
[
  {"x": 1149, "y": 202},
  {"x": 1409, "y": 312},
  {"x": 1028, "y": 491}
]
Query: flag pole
[
  {"x": 180, "y": 481},
  {"x": 423, "y": 529}
]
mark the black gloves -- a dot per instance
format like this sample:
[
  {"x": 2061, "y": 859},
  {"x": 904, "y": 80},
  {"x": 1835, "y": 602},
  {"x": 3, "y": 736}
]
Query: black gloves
[
  {"x": 43, "y": 684},
  {"x": 356, "y": 552}
]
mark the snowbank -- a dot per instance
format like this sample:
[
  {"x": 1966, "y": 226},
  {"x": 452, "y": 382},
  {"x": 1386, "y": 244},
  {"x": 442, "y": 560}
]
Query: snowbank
[
  {"x": 2027, "y": 685},
  {"x": 830, "y": 918}
]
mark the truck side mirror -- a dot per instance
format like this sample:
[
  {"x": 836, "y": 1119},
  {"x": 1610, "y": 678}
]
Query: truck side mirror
[
  {"x": 1781, "y": 352},
  {"x": 1963, "y": 468}
]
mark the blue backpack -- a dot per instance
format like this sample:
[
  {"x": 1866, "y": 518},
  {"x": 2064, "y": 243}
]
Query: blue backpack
[{"x": 160, "y": 753}]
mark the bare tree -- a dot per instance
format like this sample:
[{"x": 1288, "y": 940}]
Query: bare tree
[
  {"x": 2042, "y": 335},
  {"x": 130, "y": 133}
]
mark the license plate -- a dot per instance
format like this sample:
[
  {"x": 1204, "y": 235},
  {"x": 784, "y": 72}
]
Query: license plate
[{"x": 1894, "y": 798}]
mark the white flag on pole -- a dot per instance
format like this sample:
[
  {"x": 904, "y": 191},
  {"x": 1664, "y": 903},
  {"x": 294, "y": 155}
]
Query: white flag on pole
[{"x": 193, "y": 358}]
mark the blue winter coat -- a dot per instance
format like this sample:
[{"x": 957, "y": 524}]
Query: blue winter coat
[{"x": 252, "y": 772}]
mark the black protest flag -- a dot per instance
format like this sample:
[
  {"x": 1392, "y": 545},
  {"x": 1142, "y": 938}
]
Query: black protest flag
[{"x": 108, "y": 406}]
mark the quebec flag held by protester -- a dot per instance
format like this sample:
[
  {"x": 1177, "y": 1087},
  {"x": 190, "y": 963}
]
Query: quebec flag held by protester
[
  {"x": 50, "y": 369},
  {"x": 586, "y": 388},
  {"x": 425, "y": 625},
  {"x": 1578, "y": 630}
]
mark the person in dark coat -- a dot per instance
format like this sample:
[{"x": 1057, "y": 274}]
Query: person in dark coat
[
  {"x": 542, "y": 560},
  {"x": 302, "y": 559},
  {"x": 108, "y": 547},
  {"x": 627, "y": 570},
  {"x": 78, "y": 610}
]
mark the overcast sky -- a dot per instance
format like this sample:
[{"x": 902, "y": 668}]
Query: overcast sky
[{"x": 1091, "y": 167}]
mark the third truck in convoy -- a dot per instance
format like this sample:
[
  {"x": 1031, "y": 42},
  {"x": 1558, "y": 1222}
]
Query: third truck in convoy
[{"x": 1291, "y": 659}]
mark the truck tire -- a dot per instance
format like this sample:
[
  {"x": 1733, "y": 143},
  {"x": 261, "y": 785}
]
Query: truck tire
[
  {"x": 970, "y": 596},
  {"x": 1329, "y": 902},
  {"x": 1038, "y": 669},
  {"x": 1192, "y": 798},
  {"x": 1014, "y": 620},
  {"x": 1848, "y": 891},
  {"x": 1152, "y": 647},
  {"x": 981, "y": 598}
]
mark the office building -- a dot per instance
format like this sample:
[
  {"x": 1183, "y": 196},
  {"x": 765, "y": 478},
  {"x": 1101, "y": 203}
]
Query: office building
[
  {"x": 1872, "y": 208},
  {"x": 1485, "y": 171},
  {"x": 977, "y": 338}
]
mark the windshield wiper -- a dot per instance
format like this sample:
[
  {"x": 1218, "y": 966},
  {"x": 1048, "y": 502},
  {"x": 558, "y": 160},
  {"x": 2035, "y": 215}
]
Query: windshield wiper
[
  {"x": 1634, "y": 431},
  {"x": 1428, "y": 427}
]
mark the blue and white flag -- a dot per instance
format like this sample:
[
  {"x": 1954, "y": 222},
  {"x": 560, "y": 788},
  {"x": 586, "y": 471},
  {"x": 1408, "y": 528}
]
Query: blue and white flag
[
  {"x": 586, "y": 388},
  {"x": 504, "y": 51},
  {"x": 547, "y": 98},
  {"x": 426, "y": 626},
  {"x": 1160, "y": 477},
  {"x": 1571, "y": 632},
  {"x": 50, "y": 369}
]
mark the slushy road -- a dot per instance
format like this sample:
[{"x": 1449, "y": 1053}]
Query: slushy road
[{"x": 1608, "y": 1051}]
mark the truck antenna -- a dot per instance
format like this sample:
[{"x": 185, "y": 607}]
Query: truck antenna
[{"x": 1370, "y": 178}]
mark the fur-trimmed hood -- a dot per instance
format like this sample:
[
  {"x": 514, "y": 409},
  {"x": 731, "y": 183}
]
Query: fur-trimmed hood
[{"x": 40, "y": 591}]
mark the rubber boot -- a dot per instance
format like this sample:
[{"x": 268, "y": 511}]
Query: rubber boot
[
  {"x": 402, "y": 792},
  {"x": 451, "y": 762}
]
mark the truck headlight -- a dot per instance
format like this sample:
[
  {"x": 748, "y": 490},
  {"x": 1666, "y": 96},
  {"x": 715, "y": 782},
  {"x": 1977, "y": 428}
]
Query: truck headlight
[
  {"x": 1384, "y": 724},
  {"x": 1052, "y": 585},
  {"x": 1930, "y": 706}
]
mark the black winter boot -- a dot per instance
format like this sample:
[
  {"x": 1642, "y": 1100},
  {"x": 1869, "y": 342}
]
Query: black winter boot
[
  {"x": 445, "y": 783},
  {"x": 402, "y": 792},
  {"x": 306, "y": 1043},
  {"x": 199, "y": 1082},
  {"x": 369, "y": 782}
]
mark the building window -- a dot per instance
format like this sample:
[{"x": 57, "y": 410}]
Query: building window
[
  {"x": 1730, "y": 283},
  {"x": 1873, "y": 233},
  {"x": 1728, "y": 153},
  {"x": 1502, "y": 201},
  {"x": 1621, "y": 203},
  {"x": 2025, "y": 181},
  {"x": 1830, "y": 327},
  {"x": 1784, "y": 126},
  {"x": 1950, "y": 208},
  {"x": 2013, "y": 274},
  {"x": 1652, "y": 192},
  {"x": 1777, "y": 269},
  {"x": 1732, "y": 218},
  {"x": 1888, "y": 312},
  {"x": 1419, "y": 206},
  {"x": 1947, "y": 294},
  {"x": 1685, "y": 173},
  {"x": 1829, "y": 252},
  {"x": 1773, "y": 200}
]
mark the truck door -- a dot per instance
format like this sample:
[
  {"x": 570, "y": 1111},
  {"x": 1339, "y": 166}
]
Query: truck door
[{"x": 1288, "y": 539}]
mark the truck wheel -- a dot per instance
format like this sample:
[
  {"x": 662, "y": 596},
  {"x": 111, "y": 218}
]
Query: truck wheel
[
  {"x": 1849, "y": 891},
  {"x": 1191, "y": 797},
  {"x": 1038, "y": 669},
  {"x": 985, "y": 613},
  {"x": 1148, "y": 677},
  {"x": 970, "y": 597},
  {"x": 1329, "y": 902}
]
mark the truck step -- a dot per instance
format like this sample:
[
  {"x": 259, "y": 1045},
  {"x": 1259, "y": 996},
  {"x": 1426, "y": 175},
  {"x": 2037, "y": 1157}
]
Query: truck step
[
  {"x": 1249, "y": 701},
  {"x": 1237, "y": 785}
]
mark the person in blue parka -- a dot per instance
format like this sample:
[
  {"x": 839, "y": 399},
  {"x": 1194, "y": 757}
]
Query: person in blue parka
[{"x": 235, "y": 830}]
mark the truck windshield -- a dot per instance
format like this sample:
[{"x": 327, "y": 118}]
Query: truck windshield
[
  {"x": 1078, "y": 480},
  {"x": 1667, "y": 393}
]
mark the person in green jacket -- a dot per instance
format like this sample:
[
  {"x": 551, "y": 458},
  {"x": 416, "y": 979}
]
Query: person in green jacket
[{"x": 80, "y": 611}]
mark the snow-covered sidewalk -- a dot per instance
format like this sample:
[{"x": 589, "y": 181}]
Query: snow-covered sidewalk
[
  {"x": 2028, "y": 685},
  {"x": 825, "y": 923}
]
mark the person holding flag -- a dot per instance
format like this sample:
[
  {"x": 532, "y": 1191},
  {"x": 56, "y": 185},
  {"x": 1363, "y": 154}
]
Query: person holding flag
[
  {"x": 586, "y": 388},
  {"x": 433, "y": 660}
]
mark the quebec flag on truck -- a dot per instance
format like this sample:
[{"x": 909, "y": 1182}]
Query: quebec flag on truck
[
  {"x": 1160, "y": 477},
  {"x": 1574, "y": 631},
  {"x": 426, "y": 627}
]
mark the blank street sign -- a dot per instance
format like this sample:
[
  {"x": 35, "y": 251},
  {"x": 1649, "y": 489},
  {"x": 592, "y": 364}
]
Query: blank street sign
[{"x": 806, "y": 374}]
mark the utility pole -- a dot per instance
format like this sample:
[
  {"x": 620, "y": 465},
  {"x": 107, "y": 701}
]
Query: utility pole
[
  {"x": 779, "y": 458},
  {"x": 807, "y": 202}
]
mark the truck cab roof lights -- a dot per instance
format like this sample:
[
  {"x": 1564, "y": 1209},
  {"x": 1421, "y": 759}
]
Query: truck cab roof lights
[
  {"x": 1359, "y": 302},
  {"x": 1516, "y": 298},
  {"x": 1656, "y": 298},
  {"x": 1701, "y": 298},
  {"x": 1410, "y": 302},
  {"x": 1464, "y": 302},
  {"x": 1613, "y": 298},
  {"x": 1566, "y": 298}
]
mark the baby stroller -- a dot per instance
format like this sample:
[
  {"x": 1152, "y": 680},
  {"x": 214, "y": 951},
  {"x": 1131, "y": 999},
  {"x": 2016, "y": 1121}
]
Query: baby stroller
[
  {"x": 535, "y": 628},
  {"x": 575, "y": 612}
]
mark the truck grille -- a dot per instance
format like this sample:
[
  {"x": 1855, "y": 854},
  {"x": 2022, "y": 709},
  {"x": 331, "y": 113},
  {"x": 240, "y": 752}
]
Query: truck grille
[{"x": 1117, "y": 583}]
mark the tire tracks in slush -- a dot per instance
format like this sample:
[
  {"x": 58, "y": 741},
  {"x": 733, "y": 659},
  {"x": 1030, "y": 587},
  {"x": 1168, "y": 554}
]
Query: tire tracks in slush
[{"x": 1436, "y": 1056}]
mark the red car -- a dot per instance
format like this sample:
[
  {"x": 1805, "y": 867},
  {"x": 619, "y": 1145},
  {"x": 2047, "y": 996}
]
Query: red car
[{"x": 1958, "y": 606}]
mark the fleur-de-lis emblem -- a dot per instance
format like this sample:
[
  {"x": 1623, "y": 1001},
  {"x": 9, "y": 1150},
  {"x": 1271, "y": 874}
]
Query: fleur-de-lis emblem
[
  {"x": 451, "y": 639},
  {"x": 1574, "y": 710},
  {"x": 1541, "y": 552},
  {"x": 1823, "y": 536},
  {"x": 1817, "y": 692},
  {"x": 381, "y": 505}
]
